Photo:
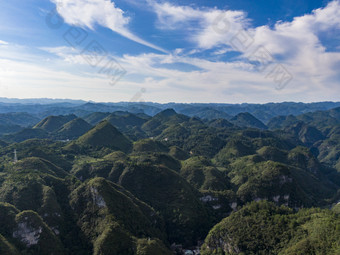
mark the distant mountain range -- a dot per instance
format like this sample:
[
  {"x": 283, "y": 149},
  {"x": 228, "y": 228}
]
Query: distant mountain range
[
  {"x": 264, "y": 112},
  {"x": 39, "y": 101}
]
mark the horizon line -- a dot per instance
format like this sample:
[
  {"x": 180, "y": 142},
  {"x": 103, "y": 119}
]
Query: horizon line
[{"x": 161, "y": 103}]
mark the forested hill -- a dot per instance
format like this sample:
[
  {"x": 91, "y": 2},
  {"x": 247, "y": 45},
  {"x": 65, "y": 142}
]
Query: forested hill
[{"x": 108, "y": 179}]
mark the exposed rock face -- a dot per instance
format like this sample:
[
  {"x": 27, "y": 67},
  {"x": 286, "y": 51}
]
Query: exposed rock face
[
  {"x": 34, "y": 233},
  {"x": 97, "y": 198},
  {"x": 233, "y": 205},
  {"x": 208, "y": 198},
  {"x": 285, "y": 179},
  {"x": 276, "y": 198},
  {"x": 27, "y": 234}
]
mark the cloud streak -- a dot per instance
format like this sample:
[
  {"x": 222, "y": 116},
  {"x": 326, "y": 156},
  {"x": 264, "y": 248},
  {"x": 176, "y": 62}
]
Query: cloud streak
[{"x": 88, "y": 14}]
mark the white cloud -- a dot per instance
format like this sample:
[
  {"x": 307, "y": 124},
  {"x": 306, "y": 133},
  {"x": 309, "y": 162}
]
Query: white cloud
[
  {"x": 296, "y": 44},
  {"x": 3, "y": 42},
  {"x": 302, "y": 32},
  {"x": 87, "y": 14},
  {"x": 208, "y": 27},
  {"x": 213, "y": 27}
]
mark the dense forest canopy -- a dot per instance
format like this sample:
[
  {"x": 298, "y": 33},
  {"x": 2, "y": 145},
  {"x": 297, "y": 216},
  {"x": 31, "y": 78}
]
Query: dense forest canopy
[{"x": 148, "y": 179}]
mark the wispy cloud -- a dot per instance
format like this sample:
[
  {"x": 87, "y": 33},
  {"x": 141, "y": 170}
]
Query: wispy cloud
[
  {"x": 211, "y": 27},
  {"x": 26, "y": 74},
  {"x": 88, "y": 14},
  {"x": 212, "y": 81}
]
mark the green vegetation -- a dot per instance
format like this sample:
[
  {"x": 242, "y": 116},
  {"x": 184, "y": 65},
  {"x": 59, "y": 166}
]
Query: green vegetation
[
  {"x": 109, "y": 214},
  {"x": 245, "y": 119},
  {"x": 201, "y": 174},
  {"x": 22, "y": 119},
  {"x": 151, "y": 247},
  {"x": 25, "y": 134},
  {"x": 136, "y": 184},
  {"x": 6, "y": 248},
  {"x": 167, "y": 192},
  {"x": 96, "y": 117},
  {"x": 104, "y": 135},
  {"x": 264, "y": 228},
  {"x": 53, "y": 123},
  {"x": 74, "y": 129},
  {"x": 149, "y": 145}
]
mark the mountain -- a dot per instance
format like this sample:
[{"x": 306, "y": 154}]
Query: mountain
[
  {"x": 267, "y": 167},
  {"x": 53, "y": 123},
  {"x": 37, "y": 221},
  {"x": 220, "y": 123},
  {"x": 280, "y": 122},
  {"x": 191, "y": 134},
  {"x": 29, "y": 231},
  {"x": 319, "y": 119},
  {"x": 165, "y": 118},
  {"x": 307, "y": 134},
  {"x": 166, "y": 113},
  {"x": 263, "y": 228},
  {"x": 74, "y": 129},
  {"x": 247, "y": 120},
  {"x": 203, "y": 175},
  {"x": 104, "y": 135},
  {"x": 99, "y": 107},
  {"x": 96, "y": 117},
  {"x": 317, "y": 130},
  {"x": 170, "y": 194},
  {"x": 39, "y": 101},
  {"x": 129, "y": 124},
  {"x": 149, "y": 145},
  {"x": 116, "y": 222},
  {"x": 125, "y": 120},
  {"x": 52, "y": 127},
  {"x": 205, "y": 113},
  {"x": 263, "y": 112}
]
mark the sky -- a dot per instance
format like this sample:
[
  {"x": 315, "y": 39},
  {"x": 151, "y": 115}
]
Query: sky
[{"x": 201, "y": 51}]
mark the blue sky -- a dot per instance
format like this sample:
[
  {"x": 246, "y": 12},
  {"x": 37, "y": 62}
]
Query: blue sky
[{"x": 171, "y": 51}]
